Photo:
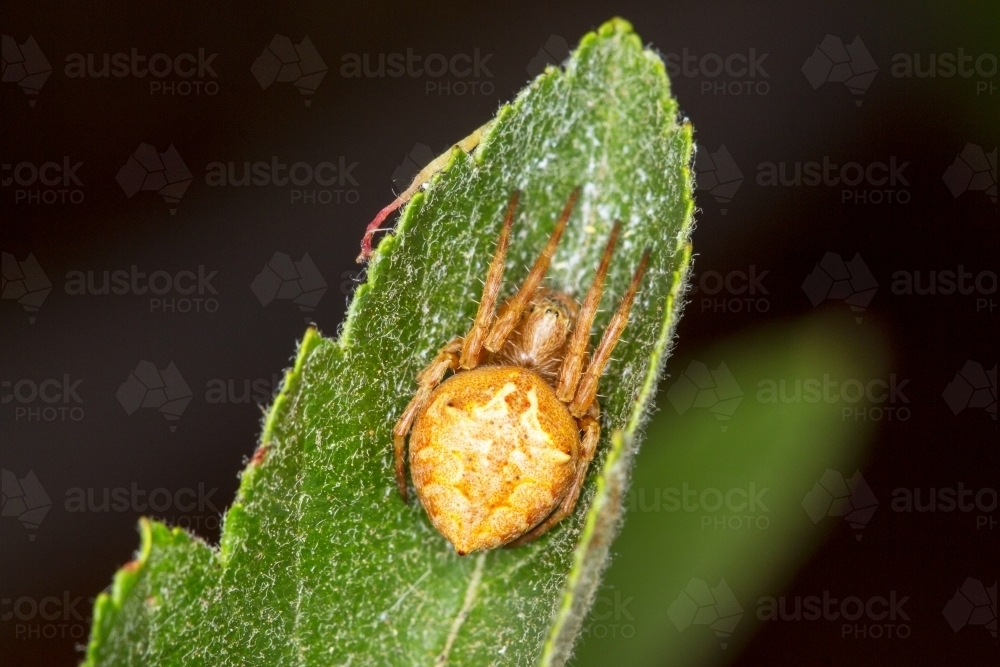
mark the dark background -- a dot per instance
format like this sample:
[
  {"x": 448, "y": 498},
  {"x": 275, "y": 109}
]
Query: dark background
[{"x": 375, "y": 122}]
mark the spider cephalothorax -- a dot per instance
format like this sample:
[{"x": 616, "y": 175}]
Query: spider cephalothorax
[
  {"x": 495, "y": 450},
  {"x": 538, "y": 341}
]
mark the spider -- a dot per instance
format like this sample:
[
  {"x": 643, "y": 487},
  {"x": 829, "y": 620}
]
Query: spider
[{"x": 496, "y": 452}]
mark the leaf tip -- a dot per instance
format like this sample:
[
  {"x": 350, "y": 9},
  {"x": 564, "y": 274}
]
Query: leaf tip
[{"x": 616, "y": 26}]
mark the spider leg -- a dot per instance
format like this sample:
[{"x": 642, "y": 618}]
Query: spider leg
[
  {"x": 511, "y": 311},
  {"x": 473, "y": 345},
  {"x": 591, "y": 428},
  {"x": 572, "y": 365},
  {"x": 428, "y": 380},
  {"x": 587, "y": 389}
]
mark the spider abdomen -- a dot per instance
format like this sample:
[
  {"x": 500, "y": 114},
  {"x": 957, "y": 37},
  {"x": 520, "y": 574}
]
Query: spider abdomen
[{"x": 492, "y": 455}]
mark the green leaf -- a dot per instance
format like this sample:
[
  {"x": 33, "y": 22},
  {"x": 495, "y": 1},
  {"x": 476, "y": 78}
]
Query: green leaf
[{"x": 320, "y": 562}]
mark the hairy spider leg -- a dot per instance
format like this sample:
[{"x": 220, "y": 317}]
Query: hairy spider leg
[
  {"x": 511, "y": 311},
  {"x": 587, "y": 389},
  {"x": 576, "y": 350},
  {"x": 473, "y": 344}
]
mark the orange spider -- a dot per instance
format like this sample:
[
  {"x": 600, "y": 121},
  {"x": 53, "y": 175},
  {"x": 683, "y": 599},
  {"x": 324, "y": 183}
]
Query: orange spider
[{"x": 495, "y": 451}]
